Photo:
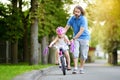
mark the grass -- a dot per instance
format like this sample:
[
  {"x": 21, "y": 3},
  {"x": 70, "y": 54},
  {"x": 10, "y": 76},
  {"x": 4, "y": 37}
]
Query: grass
[
  {"x": 8, "y": 72},
  {"x": 118, "y": 63}
]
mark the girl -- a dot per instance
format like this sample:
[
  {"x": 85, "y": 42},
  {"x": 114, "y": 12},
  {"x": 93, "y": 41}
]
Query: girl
[{"x": 61, "y": 41}]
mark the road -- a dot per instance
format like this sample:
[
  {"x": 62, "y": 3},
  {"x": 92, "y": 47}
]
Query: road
[{"x": 93, "y": 71}]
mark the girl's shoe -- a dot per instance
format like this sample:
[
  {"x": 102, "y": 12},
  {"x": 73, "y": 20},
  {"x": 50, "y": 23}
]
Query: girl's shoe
[{"x": 68, "y": 69}]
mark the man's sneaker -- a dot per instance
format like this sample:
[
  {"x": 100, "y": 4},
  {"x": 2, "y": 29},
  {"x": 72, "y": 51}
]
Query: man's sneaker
[
  {"x": 74, "y": 71},
  {"x": 82, "y": 72}
]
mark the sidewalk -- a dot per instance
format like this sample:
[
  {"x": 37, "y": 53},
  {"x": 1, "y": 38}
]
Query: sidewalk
[
  {"x": 98, "y": 62},
  {"x": 99, "y": 70},
  {"x": 36, "y": 74}
]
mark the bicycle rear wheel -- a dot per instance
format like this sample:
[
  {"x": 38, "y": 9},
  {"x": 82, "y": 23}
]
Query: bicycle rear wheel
[{"x": 63, "y": 65}]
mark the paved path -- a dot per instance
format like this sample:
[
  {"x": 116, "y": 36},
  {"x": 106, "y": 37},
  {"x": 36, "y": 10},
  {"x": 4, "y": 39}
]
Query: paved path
[{"x": 93, "y": 71}]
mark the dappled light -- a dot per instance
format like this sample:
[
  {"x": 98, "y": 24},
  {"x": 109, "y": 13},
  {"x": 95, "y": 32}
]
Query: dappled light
[
  {"x": 28, "y": 26},
  {"x": 106, "y": 24}
]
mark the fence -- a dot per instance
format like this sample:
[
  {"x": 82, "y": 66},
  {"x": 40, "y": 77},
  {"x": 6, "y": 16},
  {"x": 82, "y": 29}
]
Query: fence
[{"x": 4, "y": 52}]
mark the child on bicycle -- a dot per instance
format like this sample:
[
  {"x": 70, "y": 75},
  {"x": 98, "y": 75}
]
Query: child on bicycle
[{"x": 61, "y": 41}]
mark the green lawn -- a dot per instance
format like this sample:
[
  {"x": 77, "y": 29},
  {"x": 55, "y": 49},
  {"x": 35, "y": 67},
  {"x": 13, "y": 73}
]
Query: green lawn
[{"x": 7, "y": 72}]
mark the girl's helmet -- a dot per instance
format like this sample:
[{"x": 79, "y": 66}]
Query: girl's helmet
[{"x": 60, "y": 30}]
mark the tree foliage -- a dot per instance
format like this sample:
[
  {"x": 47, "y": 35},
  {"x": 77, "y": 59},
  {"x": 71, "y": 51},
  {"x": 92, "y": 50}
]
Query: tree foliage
[
  {"x": 10, "y": 24},
  {"x": 51, "y": 15},
  {"x": 106, "y": 23},
  {"x": 15, "y": 22}
]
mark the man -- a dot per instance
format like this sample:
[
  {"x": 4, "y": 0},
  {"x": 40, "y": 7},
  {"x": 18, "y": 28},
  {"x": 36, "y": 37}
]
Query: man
[{"x": 81, "y": 37}]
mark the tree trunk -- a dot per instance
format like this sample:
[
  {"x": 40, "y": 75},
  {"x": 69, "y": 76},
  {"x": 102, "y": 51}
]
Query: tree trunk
[
  {"x": 114, "y": 55},
  {"x": 52, "y": 57},
  {"x": 14, "y": 52},
  {"x": 110, "y": 58},
  {"x": 34, "y": 33},
  {"x": 52, "y": 53},
  {"x": 39, "y": 53},
  {"x": 7, "y": 51},
  {"x": 25, "y": 44},
  {"x": 34, "y": 43},
  {"x": 14, "y": 45},
  {"x": 25, "y": 36},
  {"x": 44, "y": 45}
]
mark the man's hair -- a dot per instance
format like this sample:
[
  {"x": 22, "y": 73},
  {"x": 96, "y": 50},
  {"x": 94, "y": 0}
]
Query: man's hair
[{"x": 80, "y": 8}]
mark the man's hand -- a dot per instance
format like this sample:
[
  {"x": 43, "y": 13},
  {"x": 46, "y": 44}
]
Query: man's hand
[{"x": 71, "y": 40}]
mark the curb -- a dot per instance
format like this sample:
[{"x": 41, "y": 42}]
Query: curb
[{"x": 34, "y": 74}]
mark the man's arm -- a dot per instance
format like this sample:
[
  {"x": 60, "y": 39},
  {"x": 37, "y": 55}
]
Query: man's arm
[
  {"x": 79, "y": 33},
  {"x": 66, "y": 28}
]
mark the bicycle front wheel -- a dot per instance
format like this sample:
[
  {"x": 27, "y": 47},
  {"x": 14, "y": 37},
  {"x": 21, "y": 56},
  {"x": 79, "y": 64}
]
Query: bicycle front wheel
[{"x": 63, "y": 65}]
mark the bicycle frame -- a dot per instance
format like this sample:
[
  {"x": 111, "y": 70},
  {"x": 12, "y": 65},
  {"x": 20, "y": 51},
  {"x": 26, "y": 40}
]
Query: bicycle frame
[{"x": 62, "y": 61}]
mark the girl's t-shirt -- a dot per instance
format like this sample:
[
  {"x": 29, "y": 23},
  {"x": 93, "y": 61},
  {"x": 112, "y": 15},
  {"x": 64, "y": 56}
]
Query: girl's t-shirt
[{"x": 61, "y": 43}]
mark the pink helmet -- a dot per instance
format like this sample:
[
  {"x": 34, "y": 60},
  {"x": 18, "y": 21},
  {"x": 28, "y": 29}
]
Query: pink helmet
[{"x": 60, "y": 30}]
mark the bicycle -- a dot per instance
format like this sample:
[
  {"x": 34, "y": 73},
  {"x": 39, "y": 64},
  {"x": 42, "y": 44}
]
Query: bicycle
[
  {"x": 62, "y": 57},
  {"x": 62, "y": 61}
]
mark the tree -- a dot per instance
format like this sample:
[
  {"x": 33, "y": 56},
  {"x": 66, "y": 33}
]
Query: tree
[
  {"x": 51, "y": 15},
  {"x": 12, "y": 27},
  {"x": 34, "y": 33},
  {"x": 26, "y": 22},
  {"x": 15, "y": 25},
  {"x": 110, "y": 36}
]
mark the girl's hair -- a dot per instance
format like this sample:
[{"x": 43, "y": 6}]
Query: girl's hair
[{"x": 80, "y": 8}]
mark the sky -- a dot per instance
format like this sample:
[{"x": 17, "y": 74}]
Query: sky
[
  {"x": 7, "y": 2},
  {"x": 4, "y": 1}
]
